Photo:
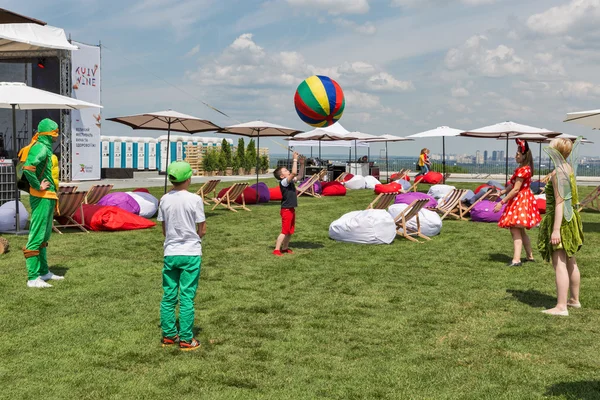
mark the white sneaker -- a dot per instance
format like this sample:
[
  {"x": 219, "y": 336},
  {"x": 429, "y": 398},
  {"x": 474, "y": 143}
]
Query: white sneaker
[
  {"x": 38, "y": 283},
  {"x": 51, "y": 277}
]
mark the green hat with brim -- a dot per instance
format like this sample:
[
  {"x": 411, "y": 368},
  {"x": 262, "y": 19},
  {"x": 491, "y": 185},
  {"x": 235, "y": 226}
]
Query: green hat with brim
[{"x": 179, "y": 171}]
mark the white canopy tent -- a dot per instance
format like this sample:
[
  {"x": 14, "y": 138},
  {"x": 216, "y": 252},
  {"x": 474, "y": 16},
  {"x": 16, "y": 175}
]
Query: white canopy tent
[{"x": 29, "y": 37}]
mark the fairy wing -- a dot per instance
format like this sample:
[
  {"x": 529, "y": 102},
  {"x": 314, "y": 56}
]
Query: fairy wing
[{"x": 563, "y": 170}]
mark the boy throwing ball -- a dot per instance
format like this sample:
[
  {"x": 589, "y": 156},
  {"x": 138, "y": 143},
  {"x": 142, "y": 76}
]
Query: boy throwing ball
[
  {"x": 184, "y": 225},
  {"x": 289, "y": 202}
]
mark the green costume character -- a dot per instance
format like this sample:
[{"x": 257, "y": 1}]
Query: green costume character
[{"x": 43, "y": 200}]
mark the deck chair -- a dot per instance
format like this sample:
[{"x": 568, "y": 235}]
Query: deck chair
[
  {"x": 229, "y": 198},
  {"x": 465, "y": 208},
  {"x": 450, "y": 204},
  {"x": 414, "y": 186},
  {"x": 308, "y": 187},
  {"x": 206, "y": 189},
  {"x": 97, "y": 192},
  {"x": 410, "y": 212},
  {"x": 592, "y": 200},
  {"x": 68, "y": 205},
  {"x": 383, "y": 201},
  {"x": 341, "y": 177},
  {"x": 322, "y": 174},
  {"x": 67, "y": 189}
]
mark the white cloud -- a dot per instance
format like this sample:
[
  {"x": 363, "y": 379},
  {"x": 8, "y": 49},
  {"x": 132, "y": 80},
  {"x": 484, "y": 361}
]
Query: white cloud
[
  {"x": 363, "y": 100},
  {"x": 357, "y": 67},
  {"x": 193, "y": 51},
  {"x": 558, "y": 20},
  {"x": 579, "y": 89},
  {"x": 386, "y": 82},
  {"x": 460, "y": 92},
  {"x": 334, "y": 7},
  {"x": 428, "y": 3},
  {"x": 368, "y": 28}
]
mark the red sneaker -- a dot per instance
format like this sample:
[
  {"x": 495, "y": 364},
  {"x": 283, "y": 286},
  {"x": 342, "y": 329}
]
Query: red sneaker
[
  {"x": 288, "y": 251},
  {"x": 277, "y": 253},
  {"x": 188, "y": 346},
  {"x": 169, "y": 341}
]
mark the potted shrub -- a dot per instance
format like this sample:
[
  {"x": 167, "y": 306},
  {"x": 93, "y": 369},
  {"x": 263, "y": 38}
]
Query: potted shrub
[
  {"x": 207, "y": 164},
  {"x": 251, "y": 157},
  {"x": 241, "y": 156}
]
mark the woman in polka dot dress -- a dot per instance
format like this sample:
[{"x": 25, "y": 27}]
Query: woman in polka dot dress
[{"x": 521, "y": 210}]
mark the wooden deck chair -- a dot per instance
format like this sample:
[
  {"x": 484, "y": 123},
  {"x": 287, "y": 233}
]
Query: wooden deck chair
[
  {"x": 322, "y": 174},
  {"x": 465, "y": 208},
  {"x": 67, "y": 189},
  {"x": 592, "y": 200},
  {"x": 206, "y": 189},
  {"x": 450, "y": 204},
  {"x": 383, "y": 201},
  {"x": 341, "y": 177},
  {"x": 97, "y": 192},
  {"x": 229, "y": 198},
  {"x": 412, "y": 211},
  {"x": 68, "y": 205},
  {"x": 414, "y": 186},
  {"x": 308, "y": 187}
]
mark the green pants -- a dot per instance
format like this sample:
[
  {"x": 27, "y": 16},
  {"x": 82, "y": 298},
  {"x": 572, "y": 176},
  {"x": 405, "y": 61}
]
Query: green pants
[
  {"x": 40, "y": 228},
  {"x": 180, "y": 281}
]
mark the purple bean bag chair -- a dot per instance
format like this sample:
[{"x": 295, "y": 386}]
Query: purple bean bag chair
[
  {"x": 317, "y": 186},
  {"x": 408, "y": 198},
  {"x": 121, "y": 200},
  {"x": 264, "y": 196},
  {"x": 484, "y": 212}
]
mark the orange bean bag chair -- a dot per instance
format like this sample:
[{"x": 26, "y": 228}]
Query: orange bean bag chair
[
  {"x": 333, "y": 189},
  {"x": 249, "y": 195},
  {"x": 392, "y": 187},
  {"x": 275, "y": 193}
]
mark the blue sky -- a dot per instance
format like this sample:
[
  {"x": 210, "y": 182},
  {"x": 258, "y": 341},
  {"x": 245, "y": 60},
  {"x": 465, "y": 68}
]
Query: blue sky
[{"x": 405, "y": 65}]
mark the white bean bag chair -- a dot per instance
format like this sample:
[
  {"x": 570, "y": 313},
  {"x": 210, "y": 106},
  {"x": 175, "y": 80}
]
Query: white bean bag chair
[
  {"x": 148, "y": 203},
  {"x": 439, "y": 191},
  {"x": 364, "y": 227},
  {"x": 357, "y": 182},
  {"x": 7, "y": 216},
  {"x": 431, "y": 223},
  {"x": 405, "y": 184},
  {"x": 371, "y": 181}
]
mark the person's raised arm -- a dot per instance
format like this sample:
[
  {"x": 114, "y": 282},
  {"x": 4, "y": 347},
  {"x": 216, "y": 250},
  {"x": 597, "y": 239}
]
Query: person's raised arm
[{"x": 294, "y": 171}]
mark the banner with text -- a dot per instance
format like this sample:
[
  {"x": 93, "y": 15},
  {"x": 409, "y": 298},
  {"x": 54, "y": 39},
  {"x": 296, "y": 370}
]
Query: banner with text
[{"x": 85, "y": 124}]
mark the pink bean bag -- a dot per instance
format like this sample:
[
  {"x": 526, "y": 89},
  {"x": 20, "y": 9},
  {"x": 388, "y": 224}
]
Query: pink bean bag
[
  {"x": 388, "y": 188},
  {"x": 249, "y": 195},
  {"x": 408, "y": 198},
  {"x": 484, "y": 212},
  {"x": 275, "y": 194},
  {"x": 263, "y": 192},
  {"x": 333, "y": 189}
]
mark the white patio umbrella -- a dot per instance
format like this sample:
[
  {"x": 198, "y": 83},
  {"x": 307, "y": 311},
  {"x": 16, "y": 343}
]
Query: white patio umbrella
[
  {"x": 443, "y": 132},
  {"x": 257, "y": 129},
  {"x": 507, "y": 130},
  {"x": 590, "y": 118},
  {"x": 322, "y": 134},
  {"x": 18, "y": 96},
  {"x": 168, "y": 120},
  {"x": 386, "y": 139}
]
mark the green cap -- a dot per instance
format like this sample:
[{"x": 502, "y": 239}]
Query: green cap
[
  {"x": 47, "y": 125},
  {"x": 179, "y": 171}
]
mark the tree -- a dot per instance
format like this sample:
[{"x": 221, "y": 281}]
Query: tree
[
  {"x": 226, "y": 153},
  {"x": 209, "y": 162},
  {"x": 251, "y": 155},
  {"x": 241, "y": 153},
  {"x": 264, "y": 162}
]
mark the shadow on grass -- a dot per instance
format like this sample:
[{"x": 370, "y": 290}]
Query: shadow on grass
[
  {"x": 306, "y": 245},
  {"x": 582, "y": 390},
  {"x": 58, "y": 270},
  {"x": 591, "y": 227},
  {"x": 533, "y": 298},
  {"x": 500, "y": 258}
]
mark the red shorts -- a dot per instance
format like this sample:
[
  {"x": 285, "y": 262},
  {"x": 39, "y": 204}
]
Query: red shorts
[{"x": 288, "y": 221}]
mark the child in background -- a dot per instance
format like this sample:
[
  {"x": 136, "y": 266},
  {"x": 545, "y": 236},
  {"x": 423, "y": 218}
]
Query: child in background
[
  {"x": 289, "y": 202},
  {"x": 184, "y": 225},
  {"x": 424, "y": 163}
]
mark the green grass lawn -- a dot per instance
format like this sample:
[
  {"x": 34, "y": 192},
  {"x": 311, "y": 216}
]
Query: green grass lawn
[{"x": 441, "y": 320}]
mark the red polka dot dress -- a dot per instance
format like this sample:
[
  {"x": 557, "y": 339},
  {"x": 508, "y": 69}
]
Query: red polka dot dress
[{"x": 521, "y": 210}]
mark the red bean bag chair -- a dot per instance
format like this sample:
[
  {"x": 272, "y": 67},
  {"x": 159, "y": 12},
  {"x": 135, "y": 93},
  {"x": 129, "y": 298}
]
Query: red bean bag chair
[
  {"x": 249, "y": 195},
  {"x": 541, "y": 205},
  {"x": 333, "y": 189},
  {"x": 111, "y": 218},
  {"x": 485, "y": 186},
  {"x": 388, "y": 188},
  {"x": 348, "y": 177},
  {"x": 397, "y": 176},
  {"x": 433, "y": 178},
  {"x": 141, "y": 190},
  {"x": 275, "y": 193}
]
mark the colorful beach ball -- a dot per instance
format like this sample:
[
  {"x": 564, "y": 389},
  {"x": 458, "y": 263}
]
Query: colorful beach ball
[{"x": 319, "y": 101}]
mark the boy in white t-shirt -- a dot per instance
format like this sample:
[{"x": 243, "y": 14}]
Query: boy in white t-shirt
[{"x": 184, "y": 225}]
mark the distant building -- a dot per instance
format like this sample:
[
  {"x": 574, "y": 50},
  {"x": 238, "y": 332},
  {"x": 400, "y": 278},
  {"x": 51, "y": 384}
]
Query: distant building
[
  {"x": 500, "y": 155},
  {"x": 478, "y": 157},
  {"x": 485, "y": 157},
  {"x": 494, "y": 155}
]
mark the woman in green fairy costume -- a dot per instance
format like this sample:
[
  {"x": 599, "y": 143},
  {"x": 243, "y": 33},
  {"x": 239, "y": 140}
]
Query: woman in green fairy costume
[{"x": 561, "y": 232}]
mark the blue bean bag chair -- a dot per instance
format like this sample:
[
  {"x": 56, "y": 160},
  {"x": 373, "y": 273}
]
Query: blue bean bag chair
[{"x": 408, "y": 198}]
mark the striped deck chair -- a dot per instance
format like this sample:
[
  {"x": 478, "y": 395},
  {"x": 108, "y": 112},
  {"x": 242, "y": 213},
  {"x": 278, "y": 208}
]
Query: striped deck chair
[
  {"x": 383, "y": 201},
  {"x": 341, "y": 177},
  {"x": 229, "y": 198},
  {"x": 68, "y": 205},
  {"x": 206, "y": 189},
  {"x": 410, "y": 212},
  {"x": 308, "y": 187},
  {"x": 450, "y": 204},
  {"x": 97, "y": 192},
  {"x": 67, "y": 189},
  {"x": 591, "y": 201},
  {"x": 465, "y": 208},
  {"x": 322, "y": 174}
]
